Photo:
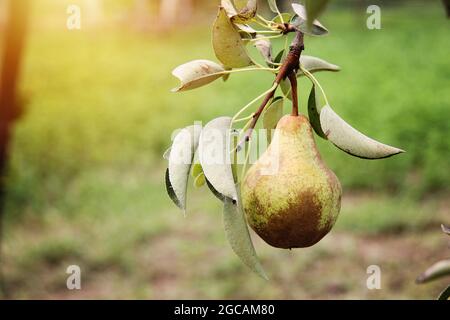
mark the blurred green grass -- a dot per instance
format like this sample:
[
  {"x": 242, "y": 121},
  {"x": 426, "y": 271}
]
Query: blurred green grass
[{"x": 86, "y": 174}]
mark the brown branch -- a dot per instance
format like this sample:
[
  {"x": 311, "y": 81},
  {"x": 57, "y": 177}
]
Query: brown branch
[
  {"x": 293, "y": 81},
  {"x": 290, "y": 65}
]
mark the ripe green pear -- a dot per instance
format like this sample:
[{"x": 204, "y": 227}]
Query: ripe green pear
[{"x": 296, "y": 204}]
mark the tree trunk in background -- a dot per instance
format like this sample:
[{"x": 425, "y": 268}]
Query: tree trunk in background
[{"x": 13, "y": 42}]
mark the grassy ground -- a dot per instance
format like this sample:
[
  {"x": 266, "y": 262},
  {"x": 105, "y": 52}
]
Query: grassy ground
[{"x": 86, "y": 178}]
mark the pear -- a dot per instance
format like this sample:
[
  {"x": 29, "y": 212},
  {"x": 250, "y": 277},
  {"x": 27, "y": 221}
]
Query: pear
[{"x": 290, "y": 197}]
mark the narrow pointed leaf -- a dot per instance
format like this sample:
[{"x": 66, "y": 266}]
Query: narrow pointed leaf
[
  {"x": 286, "y": 18},
  {"x": 238, "y": 236},
  {"x": 265, "y": 49},
  {"x": 314, "y": 8},
  {"x": 313, "y": 113},
  {"x": 196, "y": 170},
  {"x": 445, "y": 295},
  {"x": 197, "y": 73},
  {"x": 273, "y": 6},
  {"x": 445, "y": 229},
  {"x": 272, "y": 115},
  {"x": 180, "y": 160},
  {"x": 348, "y": 139},
  {"x": 285, "y": 86},
  {"x": 436, "y": 271},
  {"x": 199, "y": 181},
  {"x": 215, "y": 158},
  {"x": 301, "y": 24},
  {"x": 227, "y": 43},
  {"x": 279, "y": 56},
  {"x": 314, "y": 64}
]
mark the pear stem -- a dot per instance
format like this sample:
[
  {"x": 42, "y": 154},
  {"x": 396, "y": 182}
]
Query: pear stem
[
  {"x": 294, "y": 93},
  {"x": 290, "y": 66}
]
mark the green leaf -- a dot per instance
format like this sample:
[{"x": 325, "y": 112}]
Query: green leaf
[
  {"x": 227, "y": 43},
  {"x": 273, "y": 6},
  {"x": 445, "y": 229},
  {"x": 215, "y": 158},
  {"x": 200, "y": 180},
  {"x": 272, "y": 115},
  {"x": 285, "y": 86},
  {"x": 196, "y": 170},
  {"x": 313, "y": 113},
  {"x": 300, "y": 22},
  {"x": 349, "y": 140},
  {"x": 314, "y": 8},
  {"x": 314, "y": 64},
  {"x": 445, "y": 294},
  {"x": 265, "y": 49},
  {"x": 279, "y": 57},
  {"x": 197, "y": 73},
  {"x": 180, "y": 161},
  {"x": 238, "y": 236},
  {"x": 286, "y": 18},
  {"x": 246, "y": 12},
  {"x": 436, "y": 271}
]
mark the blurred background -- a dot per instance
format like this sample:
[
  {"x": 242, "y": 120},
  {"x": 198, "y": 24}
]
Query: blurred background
[{"x": 84, "y": 180}]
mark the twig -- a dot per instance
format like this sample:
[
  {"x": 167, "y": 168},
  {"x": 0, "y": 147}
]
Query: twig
[
  {"x": 290, "y": 65},
  {"x": 293, "y": 80}
]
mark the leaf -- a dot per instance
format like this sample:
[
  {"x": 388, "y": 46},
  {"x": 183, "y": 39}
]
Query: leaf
[
  {"x": 314, "y": 8},
  {"x": 200, "y": 181},
  {"x": 273, "y": 6},
  {"x": 217, "y": 194},
  {"x": 272, "y": 115},
  {"x": 313, "y": 113},
  {"x": 300, "y": 22},
  {"x": 348, "y": 139},
  {"x": 214, "y": 155},
  {"x": 197, "y": 73},
  {"x": 285, "y": 86},
  {"x": 314, "y": 64},
  {"x": 180, "y": 160},
  {"x": 279, "y": 57},
  {"x": 246, "y": 12},
  {"x": 445, "y": 229},
  {"x": 229, "y": 8},
  {"x": 231, "y": 12},
  {"x": 436, "y": 271},
  {"x": 265, "y": 49},
  {"x": 196, "y": 170},
  {"x": 227, "y": 43},
  {"x": 445, "y": 294},
  {"x": 286, "y": 18},
  {"x": 166, "y": 154},
  {"x": 170, "y": 190},
  {"x": 238, "y": 236}
]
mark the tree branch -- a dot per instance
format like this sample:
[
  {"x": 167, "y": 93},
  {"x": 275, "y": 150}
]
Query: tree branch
[
  {"x": 290, "y": 66},
  {"x": 293, "y": 81}
]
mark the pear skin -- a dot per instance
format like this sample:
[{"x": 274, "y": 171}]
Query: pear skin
[{"x": 297, "y": 204}]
